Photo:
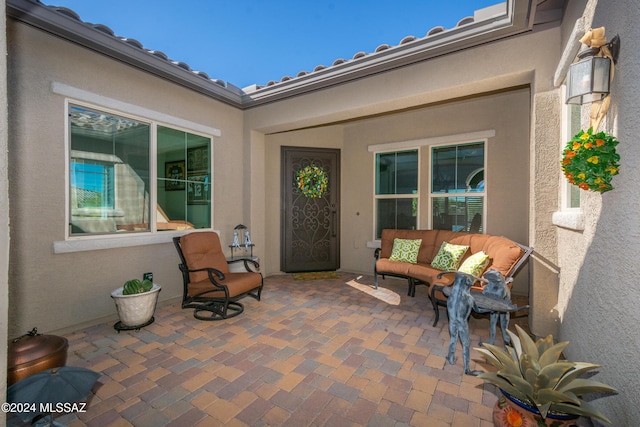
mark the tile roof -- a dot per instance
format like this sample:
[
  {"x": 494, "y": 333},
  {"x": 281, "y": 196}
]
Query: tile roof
[
  {"x": 408, "y": 39},
  {"x": 133, "y": 42},
  {"x": 511, "y": 17}
]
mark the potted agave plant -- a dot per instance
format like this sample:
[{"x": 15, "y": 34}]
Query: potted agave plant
[
  {"x": 135, "y": 303},
  {"x": 538, "y": 387}
]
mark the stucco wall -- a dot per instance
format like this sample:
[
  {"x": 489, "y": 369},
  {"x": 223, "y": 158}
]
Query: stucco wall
[
  {"x": 544, "y": 190},
  {"x": 599, "y": 291},
  {"x": 507, "y": 164},
  {"x": 508, "y": 159},
  {"x": 376, "y": 110},
  {"x": 57, "y": 291},
  {"x": 4, "y": 207},
  {"x": 525, "y": 60}
]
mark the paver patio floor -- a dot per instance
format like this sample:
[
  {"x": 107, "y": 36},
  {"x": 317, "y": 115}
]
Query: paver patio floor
[{"x": 311, "y": 353}]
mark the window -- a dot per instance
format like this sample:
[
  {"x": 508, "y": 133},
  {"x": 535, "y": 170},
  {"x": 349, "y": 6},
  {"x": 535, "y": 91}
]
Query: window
[
  {"x": 458, "y": 187},
  {"x": 111, "y": 182},
  {"x": 571, "y": 125},
  {"x": 396, "y": 195},
  {"x": 569, "y": 216},
  {"x": 184, "y": 179}
]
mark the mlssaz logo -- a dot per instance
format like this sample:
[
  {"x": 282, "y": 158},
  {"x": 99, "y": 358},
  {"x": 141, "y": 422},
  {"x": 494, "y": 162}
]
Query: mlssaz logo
[{"x": 63, "y": 407}]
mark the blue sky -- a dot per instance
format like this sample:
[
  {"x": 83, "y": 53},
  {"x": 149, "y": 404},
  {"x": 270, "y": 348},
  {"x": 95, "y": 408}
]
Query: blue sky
[{"x": 254, "y": 41}]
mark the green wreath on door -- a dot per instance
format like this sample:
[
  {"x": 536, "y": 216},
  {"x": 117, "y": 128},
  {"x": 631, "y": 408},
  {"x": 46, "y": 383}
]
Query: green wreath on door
[{"x": 312, "y": 181}]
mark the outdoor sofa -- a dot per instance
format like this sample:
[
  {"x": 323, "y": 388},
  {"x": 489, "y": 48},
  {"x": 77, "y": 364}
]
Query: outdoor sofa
[{"x": 443, "y": 250}]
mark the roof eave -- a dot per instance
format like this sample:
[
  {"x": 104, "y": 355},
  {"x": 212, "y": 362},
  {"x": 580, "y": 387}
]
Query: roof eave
[{"x": 516, "y": 20}]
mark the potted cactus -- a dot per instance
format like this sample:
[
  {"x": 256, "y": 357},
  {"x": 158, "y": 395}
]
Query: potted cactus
[
  {"x": 135, "y": 303},
  {"x": 538, "y": 387}
]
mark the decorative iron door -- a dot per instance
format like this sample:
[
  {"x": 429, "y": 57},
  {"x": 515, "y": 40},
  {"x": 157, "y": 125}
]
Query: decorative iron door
[{"x": 310, "y": 197}]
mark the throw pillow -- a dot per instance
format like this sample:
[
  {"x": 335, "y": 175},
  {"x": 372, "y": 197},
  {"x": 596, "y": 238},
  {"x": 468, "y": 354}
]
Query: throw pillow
[
  {"x": 475, "y": 264},
  {"x": 405, "y": 250},
  {"x": 449, "y": 256}
]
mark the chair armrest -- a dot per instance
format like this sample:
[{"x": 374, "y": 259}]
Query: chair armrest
[
  {"x": 442, "y": 273},
  {"x": 435, "y": 288},
  {"x": 478, "y": 284},
  {"x": 255, "y": 264},
  {"x": 376, "y": 253},
  {"x": 209, "y": 270},
  {"x": 528, "y": 250}
]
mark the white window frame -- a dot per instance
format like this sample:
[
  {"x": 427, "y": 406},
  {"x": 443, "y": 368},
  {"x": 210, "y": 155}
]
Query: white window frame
[
  {"x": 483, "y": 194},
  {"x": 377, "y": 197},
  {"x": 82, "y": 98},
  {"x": 568, "y": 133},
  {"x": 454, "y": 139},
  {"x": 568, "y": 216}
]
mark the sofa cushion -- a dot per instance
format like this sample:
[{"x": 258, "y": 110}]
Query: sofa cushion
[
  {"x": 427, "y": 274},
  {"x": 449, "y": 256},
  {"x": 405, "y": 250},
  {"x": 427, "y": 249},
  {"x": 475, "y": 264},
  {"x": 504, "y": 254},
  {"x": 386, "y": 266}
]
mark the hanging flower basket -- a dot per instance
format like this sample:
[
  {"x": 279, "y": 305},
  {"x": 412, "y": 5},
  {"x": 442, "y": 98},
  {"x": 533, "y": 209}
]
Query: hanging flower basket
[
  {"x": 590, "y": 160},
  {"x": 312, "y": 181}
]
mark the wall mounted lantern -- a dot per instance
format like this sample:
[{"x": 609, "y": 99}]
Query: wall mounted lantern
[{"x": 589, "y": 79}]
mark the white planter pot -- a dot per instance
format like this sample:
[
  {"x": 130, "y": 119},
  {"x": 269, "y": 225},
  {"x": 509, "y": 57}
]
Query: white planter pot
[{"x": 137, "y": 309}]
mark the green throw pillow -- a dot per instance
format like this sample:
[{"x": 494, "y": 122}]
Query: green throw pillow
[
  {"x": 475, "y": 264},
  {"x": 449, "y": 256},
  {"x": 405, "y": 250}
]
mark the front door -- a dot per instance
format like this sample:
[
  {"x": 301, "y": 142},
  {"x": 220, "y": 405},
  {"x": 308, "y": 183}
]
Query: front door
[{"x": 310, "y": 198}]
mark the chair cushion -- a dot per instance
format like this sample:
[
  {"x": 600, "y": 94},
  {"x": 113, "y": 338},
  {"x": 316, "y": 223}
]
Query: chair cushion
[
  {"x": 203, "y": 250},
  {"x": 236, "y": 283},
  {"x": 449, "y": 256},
  {"x": 405, "y": 250},
  {"x": 475, "y": 264}
]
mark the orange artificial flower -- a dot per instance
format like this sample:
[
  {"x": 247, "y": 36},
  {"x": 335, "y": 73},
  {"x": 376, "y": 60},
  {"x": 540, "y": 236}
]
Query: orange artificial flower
[
  {"x": 514, "y": 418},
  {"x": 570, "y": 154},
  {"x": 576, "y": 145},
  {"x": 584, "y": 185},
  {"x": 599, "y": 142}
]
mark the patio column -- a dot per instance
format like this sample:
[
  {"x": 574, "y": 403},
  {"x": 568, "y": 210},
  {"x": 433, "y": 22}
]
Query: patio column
[{"x": 544, "y": 190}]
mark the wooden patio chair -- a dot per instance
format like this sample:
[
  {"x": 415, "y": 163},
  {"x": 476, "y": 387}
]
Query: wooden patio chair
[{"x": 209, "y": 287}]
